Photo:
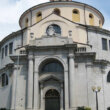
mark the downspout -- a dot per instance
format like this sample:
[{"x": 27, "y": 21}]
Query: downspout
[
  {"x": 22, "y": 38},
  {"x": 86, "y": 23},
  {"x": 31, "y": 18},
  {"x": 85, "y": 14}
]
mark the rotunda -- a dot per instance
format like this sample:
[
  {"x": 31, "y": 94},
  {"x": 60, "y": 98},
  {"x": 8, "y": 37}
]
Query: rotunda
[{"x": 58, "y": 60}]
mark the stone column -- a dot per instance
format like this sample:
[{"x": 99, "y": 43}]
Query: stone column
[
  {"x": 36, "y": 86},
  {"x": 30, "y": 83},
  {"x": 42, "y": 98},
  {"x": 61, "y": 97},
  {"x": 13, "y": 99},
  {"x": 66, "y": 90},
  {"x": 71, "y": 79}
]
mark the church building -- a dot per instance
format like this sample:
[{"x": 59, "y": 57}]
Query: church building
[{"x": 58, "y": 60}]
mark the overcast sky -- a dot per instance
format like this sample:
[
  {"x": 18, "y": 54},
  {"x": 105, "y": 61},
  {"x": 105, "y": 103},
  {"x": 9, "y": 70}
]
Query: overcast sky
[{"x": 11, "y": 10}]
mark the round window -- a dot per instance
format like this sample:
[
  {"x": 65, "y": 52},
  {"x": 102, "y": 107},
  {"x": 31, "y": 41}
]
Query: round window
[{"x": 53, "y": 30}]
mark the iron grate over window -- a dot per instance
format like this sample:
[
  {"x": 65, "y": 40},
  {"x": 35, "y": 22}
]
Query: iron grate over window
[{"x": 52, "y": 93}]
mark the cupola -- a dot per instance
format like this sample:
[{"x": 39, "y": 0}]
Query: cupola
[{"x": 59, "y": 0}]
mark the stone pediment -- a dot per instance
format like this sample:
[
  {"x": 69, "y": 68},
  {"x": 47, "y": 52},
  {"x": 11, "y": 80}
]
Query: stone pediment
[
  {"x": 51, "y": 41},
  {"x": 49, "y": 77}
]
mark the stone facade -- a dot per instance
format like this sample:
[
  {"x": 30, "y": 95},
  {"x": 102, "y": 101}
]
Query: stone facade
[{"x": 55, "y": 58}]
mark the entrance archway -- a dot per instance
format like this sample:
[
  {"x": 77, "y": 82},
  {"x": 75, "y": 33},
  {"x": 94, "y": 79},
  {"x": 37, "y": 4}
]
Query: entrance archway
[
  {"x": 52, "y": 100},
  {"x": 51, "y": 66}
]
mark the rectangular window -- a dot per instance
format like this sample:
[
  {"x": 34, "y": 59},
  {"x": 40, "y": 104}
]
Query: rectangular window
[
  {"x": 11, "y": 48},
  {"x": 0, "y": 81},
  {"x": 104, "y": 44},
  {"x": 109, "y": 44},
  {"x": 2, "y": 53},
  {"x": 3, "y": 80},
  {"x": 6, "y": 50}
]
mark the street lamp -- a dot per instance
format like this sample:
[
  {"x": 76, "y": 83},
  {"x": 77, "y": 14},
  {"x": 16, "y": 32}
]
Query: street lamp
[{"x": 96, "y": 90}]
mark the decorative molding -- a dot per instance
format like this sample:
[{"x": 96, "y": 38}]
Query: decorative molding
[
  {"x": 71, "y": 56},
  {"x": 8, "y": 66},
  {"x": 65, "y": 66}
]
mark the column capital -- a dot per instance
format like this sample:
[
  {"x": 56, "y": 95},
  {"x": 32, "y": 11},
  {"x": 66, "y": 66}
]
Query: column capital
[
  {"x": 41, "y": 86},
  {"x": 36, "y": 57},
  {"x": 61, "y": 85},
  {"x": 30, "y": 57},
  {"x": 71, "y": 55},
  {"x": 16, "y": 67}
]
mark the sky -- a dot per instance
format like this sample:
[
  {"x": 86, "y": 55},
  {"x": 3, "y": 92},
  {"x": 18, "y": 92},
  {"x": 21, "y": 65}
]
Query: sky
[{"x": 11, "y": 10}]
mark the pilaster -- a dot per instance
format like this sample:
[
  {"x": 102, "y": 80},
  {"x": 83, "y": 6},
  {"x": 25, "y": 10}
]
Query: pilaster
[
  {"x": 36, "y": 85},
  {"x": 13, "y": 99},
  {"x": 66, "y": 90},
  {"x": 61, "y": 97},
  {"x": 71, "y": 78},
  {"x": 30, "y": 83}
]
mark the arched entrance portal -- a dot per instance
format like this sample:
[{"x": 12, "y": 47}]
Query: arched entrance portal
[{"x": 52, "y": 100}]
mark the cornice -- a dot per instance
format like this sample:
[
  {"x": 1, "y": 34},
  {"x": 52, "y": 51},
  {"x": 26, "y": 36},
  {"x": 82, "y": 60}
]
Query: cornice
[
  {"x": 86, "y": 54},
  {"x": 50, "y": 47},
  {"x": 10, "y": 65},
  {"x": 97, "y": 29},
  {"x": 15, "y": 57},
  {"x": 12, "y": 35}
]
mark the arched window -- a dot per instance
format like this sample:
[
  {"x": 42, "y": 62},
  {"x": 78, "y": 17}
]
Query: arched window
[
  {"x": 57, "y": 11},
  {"x": 108, "y": 77},
  {"x": 100, "y": 23},
  {"x": 38, "y": 16},
  {"x": 3, "y": 80},
  {"x": 52, "y": 100},
  {"x": 108, "y": 108},
  {"x": 52, "y": 66},
  {"x": 53, "y": 30},
  {"x": 52, "y": 93},
  {"x": 91, "y": 19},
  {"x": 26, "y": 22},
  {"x": 76, "y": 15}
]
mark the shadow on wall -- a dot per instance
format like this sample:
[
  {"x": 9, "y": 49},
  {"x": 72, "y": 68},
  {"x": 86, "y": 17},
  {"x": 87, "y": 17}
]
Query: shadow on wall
[{"x": 4, "y": 109}]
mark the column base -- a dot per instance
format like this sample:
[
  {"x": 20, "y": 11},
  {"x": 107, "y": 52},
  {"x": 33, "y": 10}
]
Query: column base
[
  {"x": 74, "y": 108},
  {"x": 61, "y": 109}
]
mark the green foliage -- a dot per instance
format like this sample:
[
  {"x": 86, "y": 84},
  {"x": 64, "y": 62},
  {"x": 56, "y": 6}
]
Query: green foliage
[
  {"x": 83, "y": 108},
  {"x": 87, "y": 108}
]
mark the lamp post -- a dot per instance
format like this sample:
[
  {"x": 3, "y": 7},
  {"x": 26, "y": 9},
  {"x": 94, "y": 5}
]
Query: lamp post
[{"x": 96, "y": 90}]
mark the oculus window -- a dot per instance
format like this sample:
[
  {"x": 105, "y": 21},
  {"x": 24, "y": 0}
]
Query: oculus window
[
  {"x": 56, "y": 11},
  {"x": 53, "y": 30},
  {"x": 38, "y": 16},
  {"x": 76, "y": 15},
  {"x": 26, "y": 22},
  {"x": 91, "y": 19}
]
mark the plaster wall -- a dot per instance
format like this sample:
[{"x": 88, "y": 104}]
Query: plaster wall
[
  {"x": 95, "y": 39},
  {"x": 66, "y": 11},
  {"x": 5, "y": 92},
  {"x": 16, "y": 40},
  {"x": 21, "y": 87}
]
